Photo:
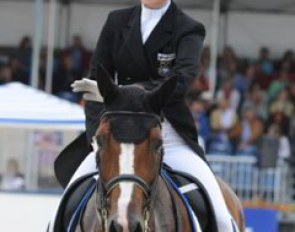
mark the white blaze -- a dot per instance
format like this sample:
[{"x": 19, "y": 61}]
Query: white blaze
[{"x": 126, "y": 166}]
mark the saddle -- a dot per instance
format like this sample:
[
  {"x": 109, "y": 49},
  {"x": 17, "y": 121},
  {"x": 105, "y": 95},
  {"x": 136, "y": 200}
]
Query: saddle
[{"x": 191, "y": 191}]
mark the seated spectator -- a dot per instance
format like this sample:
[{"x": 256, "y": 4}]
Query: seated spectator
[
  {"x": 256, "y": 99},
  {"x": 202, "y": 82},
  {"x": 251, "y": 131},
  {"x": 242, "y": 81},
  {"x": 200, "y": 117},
  {"x": 64, "y": 78},
  {"x": 24, "y": 54},
  {"x": 205, "y": 58},
  {"x": 283, "y": 104},
  {"x": 284, "y": 143},
  {"x": 289, "y": 58},
  {"x": 230, "y": 94},
  {"x": 280, "y": 119},
  {"x": 12, "y": 179},
  {"x": 266, "y": 66},
  {"x": 292, "y": 93},
  {"x": 5, "y": 74},
  {"x": 226, "y": 129},
  {"x": 18, "y": 73},
  {"x": 79, "y": 55},
  {"x": 278, "y": 85}
]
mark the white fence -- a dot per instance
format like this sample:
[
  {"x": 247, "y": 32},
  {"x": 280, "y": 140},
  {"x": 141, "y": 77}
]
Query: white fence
[{"x": 272, "y": 185}]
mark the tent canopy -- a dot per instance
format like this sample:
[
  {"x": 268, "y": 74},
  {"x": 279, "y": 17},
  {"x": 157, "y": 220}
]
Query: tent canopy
[
  {"x": 272, "y": 6},
  {"x": 24, "y": 107}
]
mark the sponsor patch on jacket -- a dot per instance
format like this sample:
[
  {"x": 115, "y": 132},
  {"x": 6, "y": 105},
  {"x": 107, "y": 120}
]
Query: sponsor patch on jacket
[{"x": 165, "y": 62}]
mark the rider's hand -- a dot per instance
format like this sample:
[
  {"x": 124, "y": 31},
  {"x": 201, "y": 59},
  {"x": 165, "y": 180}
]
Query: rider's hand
[{"x": 89, "y": 89}]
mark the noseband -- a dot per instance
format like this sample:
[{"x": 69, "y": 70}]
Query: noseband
[{"x": 149, "y": 190}]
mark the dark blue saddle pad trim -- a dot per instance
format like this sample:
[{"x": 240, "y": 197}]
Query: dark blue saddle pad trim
[
  {"x": 78, "y": 211},
  {"x": 165, "y": 175},
  {"x": 60, "y": 221}
]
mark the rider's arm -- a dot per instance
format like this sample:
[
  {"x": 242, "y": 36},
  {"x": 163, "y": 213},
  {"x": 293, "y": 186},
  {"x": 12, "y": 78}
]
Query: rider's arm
[
  {"x": 186, "y": 65},
  {"x": 187, "y": 61}
]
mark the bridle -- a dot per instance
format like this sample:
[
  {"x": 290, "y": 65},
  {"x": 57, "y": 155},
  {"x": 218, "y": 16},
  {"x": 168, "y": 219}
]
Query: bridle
[{"x": 103, "y": 190}]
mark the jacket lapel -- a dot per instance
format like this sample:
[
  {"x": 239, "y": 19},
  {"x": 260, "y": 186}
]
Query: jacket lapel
[
  {"x": 163, "y": 32},
  {"x": 133, "y": 40}
]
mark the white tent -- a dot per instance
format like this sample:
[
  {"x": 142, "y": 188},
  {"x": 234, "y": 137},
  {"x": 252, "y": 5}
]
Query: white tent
[
  {"x": 25, "y": 113},
  {"x": 22, "y": 106}
]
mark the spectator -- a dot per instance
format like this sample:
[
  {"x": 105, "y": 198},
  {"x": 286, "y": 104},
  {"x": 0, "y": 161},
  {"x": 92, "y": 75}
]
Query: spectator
[
  {"x": 289, "y": 60},
  {"x": 229, "y": 94},
  {"x": 251, "y": 132},
  {"x": 226, "y": 129},
  {"x": 64, "y": 78},
  {"x": 79, "y": 55},
  {"x": 281, "y": 120},
  {"x": 227, "y": 65},
  {"x": 5, "y": 74},
  {"x": 12, "y": 179},
  {"x": 24, "y": 54},
  {"x": 284, "y": 143},
  {"x": 242, "y": 81},
  {"x": 292, "y": 93},
  {"x": 278, "y": 85},
  {"x": 266, "y": 67},
  {"x": 256, "y": 99},
  {"x": 283, "y": 104},
  {"x": 42, "y": 69},
  {"x": 200, "y": 84},
  {"x": 18, "y": 73},
  {"x": 202, "y": 122}
]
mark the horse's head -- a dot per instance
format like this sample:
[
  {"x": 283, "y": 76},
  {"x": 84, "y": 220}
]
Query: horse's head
[{"x": 129, "y": 153}]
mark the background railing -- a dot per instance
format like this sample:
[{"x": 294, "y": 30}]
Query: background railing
[{"x": 251, "y": 182}]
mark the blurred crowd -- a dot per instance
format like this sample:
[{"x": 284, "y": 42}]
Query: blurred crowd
[
  {"x": 254, "y": 98},
  {"x": 254, "y": 103},
  {"x": 70, "y": 64}
]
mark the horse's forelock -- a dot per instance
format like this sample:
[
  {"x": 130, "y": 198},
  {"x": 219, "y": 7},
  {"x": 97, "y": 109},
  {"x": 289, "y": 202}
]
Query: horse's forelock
[{"x": 129, "y": 98}]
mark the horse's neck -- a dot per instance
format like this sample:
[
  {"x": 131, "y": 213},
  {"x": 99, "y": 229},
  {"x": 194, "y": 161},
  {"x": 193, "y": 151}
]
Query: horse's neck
[
  {"x": 163, "y": 215},
  {"x": 90, "y": 220}
]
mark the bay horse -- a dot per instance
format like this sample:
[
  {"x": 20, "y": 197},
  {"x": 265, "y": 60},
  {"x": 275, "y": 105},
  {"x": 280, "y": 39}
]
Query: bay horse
[{"x": 130, "y": 194}]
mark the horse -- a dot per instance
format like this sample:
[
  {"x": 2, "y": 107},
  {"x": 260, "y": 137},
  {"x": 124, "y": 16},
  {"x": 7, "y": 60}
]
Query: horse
[{"x": 130, "y": 194}]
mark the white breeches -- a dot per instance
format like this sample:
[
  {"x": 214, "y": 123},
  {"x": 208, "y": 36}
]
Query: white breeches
[{"x": 180, "y": 157}]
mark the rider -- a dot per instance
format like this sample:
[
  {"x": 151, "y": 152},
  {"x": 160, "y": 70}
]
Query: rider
[{"x": 147, "y": 44}]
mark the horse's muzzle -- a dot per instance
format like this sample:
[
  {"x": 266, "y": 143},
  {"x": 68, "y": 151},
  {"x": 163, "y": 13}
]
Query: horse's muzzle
[{"x": 134, "y": 226}]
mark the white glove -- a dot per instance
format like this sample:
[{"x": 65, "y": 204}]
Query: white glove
[{"x": 89, "y": 89}]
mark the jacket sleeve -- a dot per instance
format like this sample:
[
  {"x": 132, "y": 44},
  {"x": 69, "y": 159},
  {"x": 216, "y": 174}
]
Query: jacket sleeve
[
  {"x": 102, "y": 56},
  {"x": 188, "y": 55}
]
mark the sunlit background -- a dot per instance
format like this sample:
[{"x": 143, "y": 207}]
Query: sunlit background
[{"x": 243, "y": 101}]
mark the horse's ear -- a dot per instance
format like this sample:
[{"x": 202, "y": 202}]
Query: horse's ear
[
  {"x": 159, "y": 97},
  {"x": 106, "y": 86}
]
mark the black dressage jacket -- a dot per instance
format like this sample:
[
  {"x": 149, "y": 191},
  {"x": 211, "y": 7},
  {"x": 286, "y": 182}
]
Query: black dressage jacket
[{"x": 172, "y": 50}]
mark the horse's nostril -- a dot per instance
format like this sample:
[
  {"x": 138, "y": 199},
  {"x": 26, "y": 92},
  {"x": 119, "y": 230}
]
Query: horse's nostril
[
  {"x": 138, "y": 229},
  {"x": 135, "y": 227},
  {"x": 115, "y": 227}
]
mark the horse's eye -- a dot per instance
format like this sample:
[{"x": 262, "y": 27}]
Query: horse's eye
[
  {"x": 99, "y": 140},
  {"x": 157, "y": 145}
]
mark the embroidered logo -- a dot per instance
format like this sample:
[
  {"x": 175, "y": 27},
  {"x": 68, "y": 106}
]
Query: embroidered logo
[{"x": 165, "y": 62}]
